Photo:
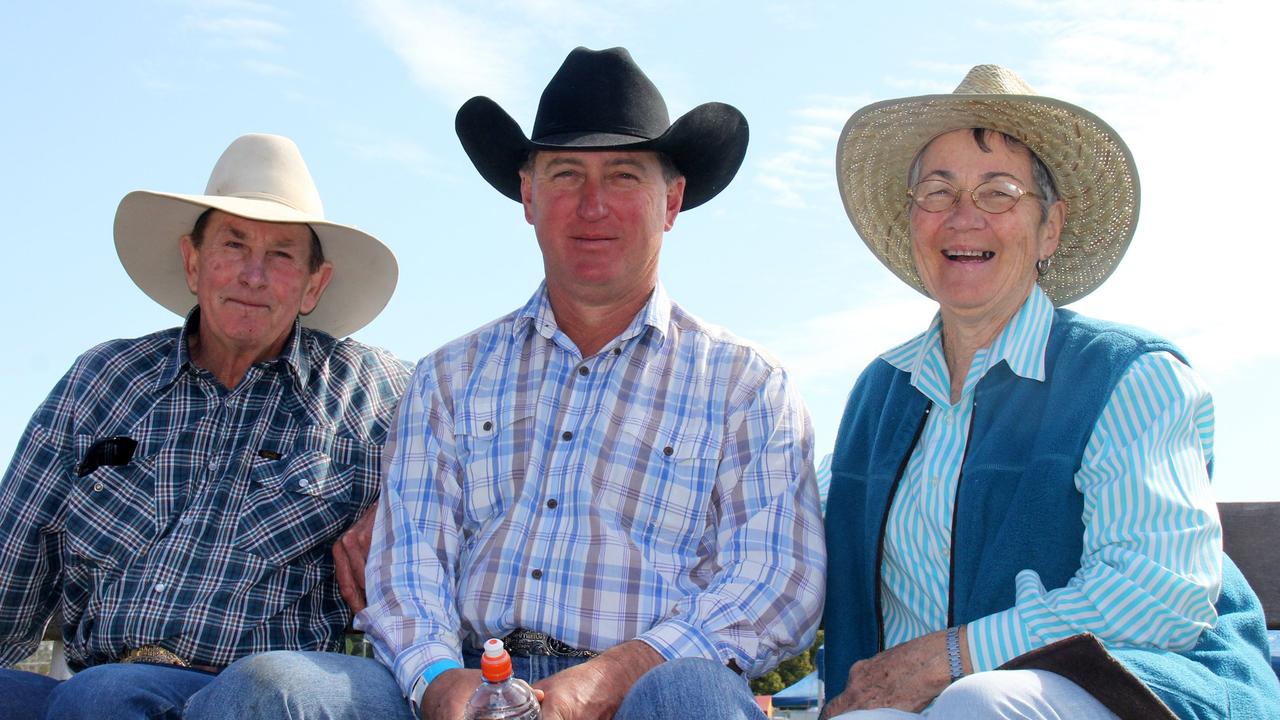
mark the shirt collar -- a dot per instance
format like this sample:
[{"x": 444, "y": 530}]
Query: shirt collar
[
  {"x": 292, "y": 355},
  {"x": 1021, "y": 343},
  {"x": 538, "y": 314}
]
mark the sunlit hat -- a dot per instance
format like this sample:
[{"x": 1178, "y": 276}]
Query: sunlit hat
[
  {"x": 1091, "y": 166},
  {"x": 601, "y": 100},
  {"x": 259, "y": 177}
]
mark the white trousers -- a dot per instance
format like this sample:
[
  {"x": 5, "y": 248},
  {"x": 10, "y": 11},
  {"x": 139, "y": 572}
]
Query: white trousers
[{"x": 1012, "y": 694}]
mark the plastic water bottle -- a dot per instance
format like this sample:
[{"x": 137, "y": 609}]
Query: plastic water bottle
[{"x": 500, "y": 696}]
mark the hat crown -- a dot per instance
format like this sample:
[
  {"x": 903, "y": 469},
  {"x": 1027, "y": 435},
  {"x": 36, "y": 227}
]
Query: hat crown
[
  {"x": 600, "y": 91},
  {"x": 993, "y": 80},
  {"x": 266, "y": 167}
]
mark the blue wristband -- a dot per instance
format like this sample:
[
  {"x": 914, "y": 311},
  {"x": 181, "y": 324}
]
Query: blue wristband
[{"x": 431, "y": 672}]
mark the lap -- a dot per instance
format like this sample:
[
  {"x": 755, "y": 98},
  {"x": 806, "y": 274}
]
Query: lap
[
  {"x": 24, "y": 695},
  {"x": 690, "y": 687},
  {"x": 1030, "y": 694},
  {"x": 302, "y": 685}
]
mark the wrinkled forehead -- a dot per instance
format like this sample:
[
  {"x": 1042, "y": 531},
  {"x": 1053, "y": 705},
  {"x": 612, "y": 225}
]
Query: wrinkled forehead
[{"x": 982, "y": 147}]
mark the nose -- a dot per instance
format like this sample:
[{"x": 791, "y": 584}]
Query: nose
[
  {"x": 253, "y": 270},
  {"x": 966, "y": 215},
  {"x": 591, "y": 204}
]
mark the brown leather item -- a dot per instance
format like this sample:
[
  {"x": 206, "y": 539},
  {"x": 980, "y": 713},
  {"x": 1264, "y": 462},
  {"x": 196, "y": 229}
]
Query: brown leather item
[
  {"x": 1084, "y": 661},
  {"x": 156, "y": 655}
]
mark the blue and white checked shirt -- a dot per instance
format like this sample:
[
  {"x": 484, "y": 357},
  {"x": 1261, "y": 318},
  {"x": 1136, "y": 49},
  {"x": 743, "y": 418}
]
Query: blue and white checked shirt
[
  {"x": 214, "y": 540},
  {"x": 662, "y": 489},
  {"x": 1150, "y": 570}
]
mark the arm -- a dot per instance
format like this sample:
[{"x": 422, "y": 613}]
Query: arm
[
  {"x": 30, "y": 558},
  {"x": 411, "y": 573},
  {"x": 1151, "y": 568},
  {"x": 765, "y": 601}
]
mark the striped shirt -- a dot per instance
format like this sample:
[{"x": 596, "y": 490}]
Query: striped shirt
[
  {"x": 662, "y": 489},
  {"x": 214, "y": 539},
  {"x": 1150, "y": 568}
]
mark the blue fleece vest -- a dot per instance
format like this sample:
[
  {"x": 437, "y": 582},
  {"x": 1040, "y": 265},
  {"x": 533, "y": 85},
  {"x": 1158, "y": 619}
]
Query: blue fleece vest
[{"x": 1017, "y": 507}]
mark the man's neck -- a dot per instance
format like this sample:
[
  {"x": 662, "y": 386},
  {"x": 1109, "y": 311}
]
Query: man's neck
[
  {"x": 227, "y": 364},
  {"x": 590, "y": 325}
]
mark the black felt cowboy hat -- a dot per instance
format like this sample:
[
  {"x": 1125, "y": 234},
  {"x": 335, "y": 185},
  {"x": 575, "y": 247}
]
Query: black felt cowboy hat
[{"x": 601, "y": 100}]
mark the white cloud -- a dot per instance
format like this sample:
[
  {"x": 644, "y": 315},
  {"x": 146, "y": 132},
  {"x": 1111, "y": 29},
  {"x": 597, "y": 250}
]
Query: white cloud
[
  {"x": 410, "y": 155},
  {"x": 803, "y": 168},
  {"x": 251, "y": 33}
]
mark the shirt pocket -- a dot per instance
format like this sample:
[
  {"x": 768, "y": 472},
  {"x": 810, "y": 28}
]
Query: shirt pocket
[
  {"x": 111, "y": 513},
  {"x": 493, "y": 445},
  {"x": 660, "y": 490},
  {"x": 297, "y": 505}
]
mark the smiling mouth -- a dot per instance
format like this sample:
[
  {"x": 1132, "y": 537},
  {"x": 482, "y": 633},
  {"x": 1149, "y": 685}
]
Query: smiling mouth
[{"x": 968, "y": 255}]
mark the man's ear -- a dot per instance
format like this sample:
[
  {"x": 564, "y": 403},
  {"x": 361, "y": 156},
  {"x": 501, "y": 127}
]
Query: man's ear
[
  {"x": 316, "y": 284},
  {"x": 190, "y": 262}
]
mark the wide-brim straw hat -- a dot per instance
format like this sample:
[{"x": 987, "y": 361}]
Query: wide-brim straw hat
[
  {"x": 259, "y": 177},
  {"x": 601, "y": 100},
  {"x": 1091, "y": 166}
]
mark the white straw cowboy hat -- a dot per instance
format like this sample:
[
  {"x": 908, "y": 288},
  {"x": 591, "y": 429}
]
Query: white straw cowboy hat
[
  {"x": 259, "y": 177},
  {"x": 1091, "y": 166}
]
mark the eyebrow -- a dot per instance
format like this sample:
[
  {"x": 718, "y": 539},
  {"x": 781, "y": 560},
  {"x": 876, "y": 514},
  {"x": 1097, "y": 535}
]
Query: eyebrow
[
  {"x": 575, "y": 162},
  {"x": 986, "y": 177}
]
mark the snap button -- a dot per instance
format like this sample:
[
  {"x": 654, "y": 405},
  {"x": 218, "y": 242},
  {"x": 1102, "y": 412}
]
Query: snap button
[
  {"x": 487, "y": 426},
  {"x": 566, "y": 435},
  {"x": 668, "y": 451},
  {"x": 98, "y": 487},
  {"x": 536, "y": 574},
  {"x": 552, "y": 503}
]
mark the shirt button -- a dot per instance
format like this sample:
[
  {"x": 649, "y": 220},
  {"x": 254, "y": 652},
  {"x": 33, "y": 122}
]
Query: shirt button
[
  {"x": 536, "y": 574},
  {"x": 566, "y": 435},
  {"x": 304, "y": 482},
  {"x": 552, "y": 503},
  {"x": 186, "y": 520},
  {"x": 947, "y": 418},
  {"x": 668, "y": 450},
  {"x": 159, "y": 587},
  {"x": 582, "y": 370},
  {"x": 98, "y": 487},
  {"x": 213, "y": 464},
  {"x": 487, "y": 426},
  {"x": 617, "y": 351}
]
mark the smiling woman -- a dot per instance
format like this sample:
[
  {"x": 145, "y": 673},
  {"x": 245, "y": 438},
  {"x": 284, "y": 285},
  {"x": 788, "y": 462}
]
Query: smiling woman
[{"x": 1018, "y": 473}]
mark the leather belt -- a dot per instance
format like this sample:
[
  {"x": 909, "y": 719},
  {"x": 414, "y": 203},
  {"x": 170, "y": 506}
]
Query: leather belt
[
  {"x": 156, "y": 655},
  {"x": 531, "y": 642}
]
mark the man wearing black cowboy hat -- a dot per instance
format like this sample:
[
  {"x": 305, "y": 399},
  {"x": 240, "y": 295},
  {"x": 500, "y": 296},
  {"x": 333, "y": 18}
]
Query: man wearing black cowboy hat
[{"x": 621, "y": 492}]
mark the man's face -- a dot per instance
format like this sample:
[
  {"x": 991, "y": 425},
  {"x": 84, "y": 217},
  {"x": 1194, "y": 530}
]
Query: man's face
[
  {"x": 599, "y": 217},
  {"x": 252, "y": 280}
]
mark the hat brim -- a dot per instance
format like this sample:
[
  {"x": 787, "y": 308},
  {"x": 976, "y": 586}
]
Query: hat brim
[
  {"x": 707, "y": 144},
  {"x": 1092, "y": 167},
  {"x": 149, "y": 226}
]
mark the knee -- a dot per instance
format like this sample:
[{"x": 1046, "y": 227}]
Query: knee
[{"x": 688, "y": 687}]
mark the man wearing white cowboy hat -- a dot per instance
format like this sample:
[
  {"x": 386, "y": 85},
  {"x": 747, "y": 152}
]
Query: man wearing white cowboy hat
[
  {"x": 599, "y": 478},
  {"x": 1021, "y": 522},
  {"x": 176, "y": 496}
]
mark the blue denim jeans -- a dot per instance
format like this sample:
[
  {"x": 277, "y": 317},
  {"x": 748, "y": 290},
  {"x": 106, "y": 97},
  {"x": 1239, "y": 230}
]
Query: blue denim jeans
[
  {"x": 328, "y": 686},
  {"x": 120, "y": 692}
]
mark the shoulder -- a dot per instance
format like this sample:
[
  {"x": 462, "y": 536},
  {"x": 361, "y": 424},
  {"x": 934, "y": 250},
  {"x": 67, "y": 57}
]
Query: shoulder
[
  {"x": 698, "y": 339},
  {"x": 1083, "y": 334},
  {"x": 463, "y": 354},
  {"x": 351, "y": 361},
  {"x": 125, "y": 359}
]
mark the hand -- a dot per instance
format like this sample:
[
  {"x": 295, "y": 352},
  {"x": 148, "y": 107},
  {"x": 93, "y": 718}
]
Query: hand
[
  {"x": 906, "y": 677},
  {"x": 349, "y": 555},
  {"x": 446, "y": 697},
  {"x": 594, "y": 690}
]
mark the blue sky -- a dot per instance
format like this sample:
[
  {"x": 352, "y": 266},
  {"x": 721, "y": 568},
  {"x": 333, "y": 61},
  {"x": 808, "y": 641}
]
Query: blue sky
[{"x": 105, "y": 98}]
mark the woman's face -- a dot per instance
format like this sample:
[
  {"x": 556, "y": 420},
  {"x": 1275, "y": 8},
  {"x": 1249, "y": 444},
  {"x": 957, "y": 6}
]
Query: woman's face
[{"x": 974, "y": 263}]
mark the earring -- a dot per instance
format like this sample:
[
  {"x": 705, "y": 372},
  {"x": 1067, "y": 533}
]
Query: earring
[{"x": 1042, "y": 265}]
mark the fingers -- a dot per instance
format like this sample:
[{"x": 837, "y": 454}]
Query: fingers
[
  {"x": 350, "y": 583},
  {"x": 349, "y": 555}
]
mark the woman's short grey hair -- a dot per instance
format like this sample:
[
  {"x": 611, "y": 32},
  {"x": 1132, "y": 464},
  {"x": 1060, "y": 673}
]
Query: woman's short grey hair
[{"x": 1045, "y": 188}]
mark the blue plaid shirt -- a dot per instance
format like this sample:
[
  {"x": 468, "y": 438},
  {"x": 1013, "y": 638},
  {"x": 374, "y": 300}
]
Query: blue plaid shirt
[
  {"x": 214, "y": 540},
  {"x": 661, "y": 489}
]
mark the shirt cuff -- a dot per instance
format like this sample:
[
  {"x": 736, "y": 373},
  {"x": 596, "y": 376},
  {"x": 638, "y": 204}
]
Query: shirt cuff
[
  {"x": 996, "y": 639},
  {"x": 675, "y": 639},
  {"x": 410, "y": 663}
]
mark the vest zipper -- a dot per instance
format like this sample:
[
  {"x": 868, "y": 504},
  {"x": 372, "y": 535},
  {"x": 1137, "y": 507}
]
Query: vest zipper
[
  {"x": 955, "y": 512},
  {"x": 884, "y": 523}
]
